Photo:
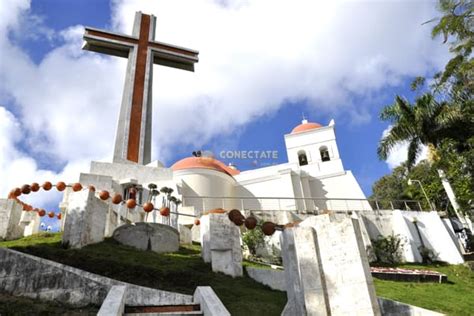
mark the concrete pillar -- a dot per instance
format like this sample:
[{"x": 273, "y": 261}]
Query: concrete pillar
[
  {"x": 10, "y": 215},
  {"x": 85, "y": 219}
]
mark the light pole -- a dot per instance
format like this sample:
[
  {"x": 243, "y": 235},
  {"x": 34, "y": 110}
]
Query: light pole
[{"x": 410, "y": 182}]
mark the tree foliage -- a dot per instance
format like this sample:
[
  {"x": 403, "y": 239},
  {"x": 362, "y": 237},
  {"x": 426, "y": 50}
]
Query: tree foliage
[
  {"x": 442, "y": 117},
  {"x": 394, "y": 186}
]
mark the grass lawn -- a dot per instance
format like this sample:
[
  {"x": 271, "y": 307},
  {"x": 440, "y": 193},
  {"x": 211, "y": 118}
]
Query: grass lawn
[
  {"x": 184, "y": 270},
  {"x": 453, "y": 298},
  {"x": 179, "y": 272}
]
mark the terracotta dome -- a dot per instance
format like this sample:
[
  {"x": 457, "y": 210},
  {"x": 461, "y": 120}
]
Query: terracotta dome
[
  {"x": 305, "y": 126},
  {"x": 204, "y": 163}
]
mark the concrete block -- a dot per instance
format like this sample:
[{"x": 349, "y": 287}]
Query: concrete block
[
  {"x": 148, "y": 236},
  {"x": 211, "y": 305},
  {"x": 224, "y": 244},
  {"x": 85, "y": 219},
  {"x": 114, "y": 303},
  {"x": 327, "y": 270},
  {"x": 205, "y": 238},
  {"x": 306, "y": 289},
  {"x": 275, "y": 279},
  {"x": 394, "y": 308},
  {"x": 10, "y": 216},
  {"x": 185, "y": 234}
]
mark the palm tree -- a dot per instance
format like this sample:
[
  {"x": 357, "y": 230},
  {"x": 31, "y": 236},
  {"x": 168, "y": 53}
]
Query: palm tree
[{"x": 426, "y": 122}]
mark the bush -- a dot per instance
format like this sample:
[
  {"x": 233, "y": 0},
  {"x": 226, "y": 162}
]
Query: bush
[
  {"x": 388, "y": 249},
  {"x": 252, "y": 239}
]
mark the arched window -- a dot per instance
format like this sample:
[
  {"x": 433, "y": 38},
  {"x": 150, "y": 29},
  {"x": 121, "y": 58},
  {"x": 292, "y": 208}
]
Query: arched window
[
  {"x": 324, "y": 153},
  {"x": 302, "y": 158}
]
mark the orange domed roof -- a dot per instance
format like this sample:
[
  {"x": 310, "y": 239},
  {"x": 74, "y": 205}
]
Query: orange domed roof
[
  {"x": 204, "y": 163},
  {"x": 305, "y": 126}
]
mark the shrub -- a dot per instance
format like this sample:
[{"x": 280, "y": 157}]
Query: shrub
[{"x": 388, "y": 249}]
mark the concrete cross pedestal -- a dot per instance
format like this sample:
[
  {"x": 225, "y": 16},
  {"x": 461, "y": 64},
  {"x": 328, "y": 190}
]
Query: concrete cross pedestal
[
  {"x": 133, "y": 140},
  {"x": 326, "y": 268}
]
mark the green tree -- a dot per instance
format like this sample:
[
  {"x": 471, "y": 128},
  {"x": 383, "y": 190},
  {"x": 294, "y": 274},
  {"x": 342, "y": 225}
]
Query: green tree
[
  {"x": 443, "y": 117},
  {"x": 456, "y": 25},
  {"x": 426, "y": 122},
  {"x": 394, "y": 186}
]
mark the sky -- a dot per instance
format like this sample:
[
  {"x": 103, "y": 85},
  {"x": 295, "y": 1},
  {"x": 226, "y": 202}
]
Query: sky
[{"x": 263, "y": 63}]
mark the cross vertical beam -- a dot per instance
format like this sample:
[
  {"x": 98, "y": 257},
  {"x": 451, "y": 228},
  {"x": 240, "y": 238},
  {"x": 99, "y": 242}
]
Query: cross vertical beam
[{"x": 133, "y": 138}]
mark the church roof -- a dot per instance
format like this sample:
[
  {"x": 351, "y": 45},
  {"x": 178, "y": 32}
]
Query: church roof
[
  {"x": 204, "y": 163},
  {"x": 305, "y": 126}
]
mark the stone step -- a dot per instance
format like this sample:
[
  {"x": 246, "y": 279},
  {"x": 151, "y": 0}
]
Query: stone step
[{"x": 169, "y": 310}]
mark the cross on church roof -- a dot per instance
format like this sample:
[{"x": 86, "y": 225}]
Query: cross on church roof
[{"x": 133, "y": 139}]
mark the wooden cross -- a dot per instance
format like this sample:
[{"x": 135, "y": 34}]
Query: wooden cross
[{"x": 133, "y": 139}]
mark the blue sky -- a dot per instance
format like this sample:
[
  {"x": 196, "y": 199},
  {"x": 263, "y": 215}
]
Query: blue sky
[{"x": 262, "y": 64}]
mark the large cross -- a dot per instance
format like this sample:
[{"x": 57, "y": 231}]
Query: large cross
[{"x": 133, "y": 139}]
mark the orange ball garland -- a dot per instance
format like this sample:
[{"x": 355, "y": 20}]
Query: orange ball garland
[
  {"x": 165, "y": 211},
  {"x": 34, "y": 187},
  {"x": 131, "y": 203},
  {"x": 148, "y": 207},
  {"x": 117, "y": 198},
  {"x": 26, "y": 189},
  {"x": 60, "y": 186},
  {"x": 76, "y": 187},
  {"x": 104, "y": 195}
]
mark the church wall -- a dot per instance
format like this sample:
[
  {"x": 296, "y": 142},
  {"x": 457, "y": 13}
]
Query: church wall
[
  {"x": 311, "y": 142},
  {"x": 206, "y": 183},
  {"x": 342, "y": 186},
  {"x": 281, "y": 185}
]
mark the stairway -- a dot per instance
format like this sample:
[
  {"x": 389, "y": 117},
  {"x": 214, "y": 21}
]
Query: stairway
[{"x": 168, "y": 310}]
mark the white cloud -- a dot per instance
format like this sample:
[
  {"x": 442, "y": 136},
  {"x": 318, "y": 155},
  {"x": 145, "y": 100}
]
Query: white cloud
[
  {"x": 17, "y": 169},
  {"x": 254, "y": 55},
  {"x": 399, "y": 153}
]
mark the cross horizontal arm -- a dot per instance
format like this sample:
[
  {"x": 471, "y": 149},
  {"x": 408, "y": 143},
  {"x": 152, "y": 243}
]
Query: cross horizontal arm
[
  {"x": 108, "y": 43},
  {"x": 173, "y": 56}
]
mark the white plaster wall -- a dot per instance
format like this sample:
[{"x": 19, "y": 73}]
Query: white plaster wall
[
  {"x": 452, "y": 234},
  {"x": 339, "y": 186},
  {"x": 279, "y": 186},
  {"x": 434, "y": 234},
  {"x": 202, "y": 183},
  {"x": 378, "y": 223}
]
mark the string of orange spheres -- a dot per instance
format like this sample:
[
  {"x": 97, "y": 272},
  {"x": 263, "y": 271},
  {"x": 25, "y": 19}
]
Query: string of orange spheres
[
  {"x": 235, "y": 216},
  {"x": 61, "y": 186}
]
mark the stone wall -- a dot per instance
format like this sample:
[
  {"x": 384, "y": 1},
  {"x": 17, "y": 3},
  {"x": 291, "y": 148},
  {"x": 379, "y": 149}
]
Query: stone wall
[
  {"x": 25, "y": 275},
  {"x": 274, "y": 279},
  {"x": 435, "y": 235}
]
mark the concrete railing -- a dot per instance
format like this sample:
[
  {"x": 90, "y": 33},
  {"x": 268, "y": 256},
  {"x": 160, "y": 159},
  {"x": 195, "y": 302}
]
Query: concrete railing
[
  {"x": 305, "y": 205},
  {"x": 114, "y": 303},
  {"x": 211, "y": 305}
]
